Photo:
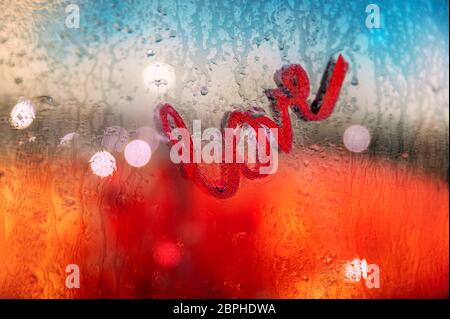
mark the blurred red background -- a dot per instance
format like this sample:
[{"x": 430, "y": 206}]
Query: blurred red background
[{"x": 149, "y": 233}]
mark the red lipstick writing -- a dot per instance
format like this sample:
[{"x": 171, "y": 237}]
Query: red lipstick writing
[{"x": 293, "y": 91}]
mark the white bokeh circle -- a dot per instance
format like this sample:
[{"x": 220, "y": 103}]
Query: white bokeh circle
[
  {"x": 356, "y": 138},
  {"x": 22, "y": 115},
  {"x": 159, "y": 77},
  {"x": 137, "y": 153},
  {"x": 103, "y": 164}
]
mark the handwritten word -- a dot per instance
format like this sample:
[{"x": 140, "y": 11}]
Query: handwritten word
[{"x": 293, "y": 91}]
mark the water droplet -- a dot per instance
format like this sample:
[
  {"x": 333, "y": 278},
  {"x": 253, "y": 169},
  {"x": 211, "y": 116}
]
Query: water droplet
[
  {"x": 116, "y": 26},
  {"x": 66, "y": 139},
  {"x": 328, "y": 260},
  {"x": 315, "y": 148},
  {"x": 46, "y": 99},
  {"x": 203, "y": 90}
]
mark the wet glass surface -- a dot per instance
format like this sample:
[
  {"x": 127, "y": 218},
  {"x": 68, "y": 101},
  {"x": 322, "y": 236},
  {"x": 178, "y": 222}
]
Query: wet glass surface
[{"x": 370, "y": 182}]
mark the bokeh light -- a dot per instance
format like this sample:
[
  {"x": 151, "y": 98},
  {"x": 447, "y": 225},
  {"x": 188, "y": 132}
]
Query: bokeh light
[
  {"x": 167, "y": 254},
  {"x": 159, "y": 77},
  {"x": 137, "y": 153},
  {"x": 22, "y": 114},
  {"x": 103, "y": 164},
  {"x": 356, "y": 138}
]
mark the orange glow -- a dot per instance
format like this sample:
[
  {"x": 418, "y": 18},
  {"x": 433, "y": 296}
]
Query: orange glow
[{"x": 286, "y": 236}]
